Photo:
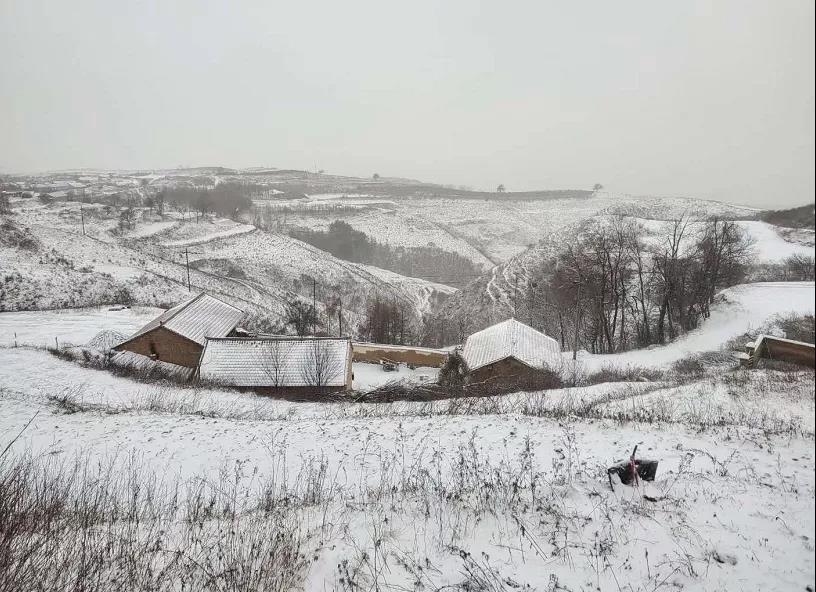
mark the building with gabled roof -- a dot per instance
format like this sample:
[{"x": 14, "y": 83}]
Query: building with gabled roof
[
  {"x": 178, "y": 335},
  {"x": 279, "y": 365},
  {"x": 509, "y": 349}
]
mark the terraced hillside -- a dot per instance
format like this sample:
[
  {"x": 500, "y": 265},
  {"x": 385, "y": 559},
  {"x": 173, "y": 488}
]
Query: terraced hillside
[{"x": 257, "y": 270}]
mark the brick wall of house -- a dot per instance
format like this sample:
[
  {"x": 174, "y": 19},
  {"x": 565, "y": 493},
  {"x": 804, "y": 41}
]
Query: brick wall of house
[
  {"x": 167, "y": 346},
  {"x": 507, "y": 369}
]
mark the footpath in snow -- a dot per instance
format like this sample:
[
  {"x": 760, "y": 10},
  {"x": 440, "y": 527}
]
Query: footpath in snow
[{"x": 235, "y": 231}]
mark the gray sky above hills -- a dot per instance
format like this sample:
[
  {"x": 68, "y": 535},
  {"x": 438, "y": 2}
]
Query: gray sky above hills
[{"x": 709, "y": 99}]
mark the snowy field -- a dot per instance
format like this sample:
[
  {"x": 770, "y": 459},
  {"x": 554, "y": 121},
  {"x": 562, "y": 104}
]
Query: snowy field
[
  {"x": 507, "y": 487},
  {"x": 498, "y": 494},
  {"x": 69, "y": 326}
]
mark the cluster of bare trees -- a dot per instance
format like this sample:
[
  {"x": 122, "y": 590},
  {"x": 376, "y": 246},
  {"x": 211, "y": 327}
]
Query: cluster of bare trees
[
  {"x": 127, "y": 218},
  {"x": 226, "y": 199},
  {"x": 616, "y": 287},
  {"x": 388, "y": 321},
  {"x": 796, "y": 268}
]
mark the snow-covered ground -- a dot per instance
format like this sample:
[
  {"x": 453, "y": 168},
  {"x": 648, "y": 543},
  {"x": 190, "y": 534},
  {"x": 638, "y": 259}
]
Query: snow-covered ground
[
  {"x": 769, "y": 245},
  {"x": 257, "y": 271},
  {"x": 512, "y": 490},
  {"x": 369, "y": 376},
  {"x": 494, "y": 494},
  {"x": 69, "y": 326},
  {"x": 737, "y": 311},
  {"x": 509, "y": 489},
  {"x": 210, "y": 230}
]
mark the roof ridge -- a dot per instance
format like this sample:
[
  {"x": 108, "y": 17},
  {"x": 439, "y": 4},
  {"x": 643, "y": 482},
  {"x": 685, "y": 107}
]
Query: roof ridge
[
  {"x": 224, "y": 302},
  {"x": 183, "y": 306}
]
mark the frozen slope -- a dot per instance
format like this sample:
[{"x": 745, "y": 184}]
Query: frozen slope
[
  {"x": 769, "y": 245},
  {"x": 738, "y": 310}
]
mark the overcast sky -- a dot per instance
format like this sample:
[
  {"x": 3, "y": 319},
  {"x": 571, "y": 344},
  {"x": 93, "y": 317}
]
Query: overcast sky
[{"x": 710, "y": 99}]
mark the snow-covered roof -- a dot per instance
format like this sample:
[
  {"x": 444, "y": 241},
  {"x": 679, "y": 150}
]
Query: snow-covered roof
[
  {"x": 508, "y": 339},
  {"x": 276, "y": 361},
  {"x": 196, "y": 319},
  {"x": 138, "y": 362}
]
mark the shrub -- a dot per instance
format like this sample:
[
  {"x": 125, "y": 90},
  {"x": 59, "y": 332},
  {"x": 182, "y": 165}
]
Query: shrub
[
  {"x": 452, "y": 374},
  {"x": 689, "y": 367},
  {"x": 799, "y": 327},
  {"x": 12, "y": 235},
  {"x": 628, "y": 373}
]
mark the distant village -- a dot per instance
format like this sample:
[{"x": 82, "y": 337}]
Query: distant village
[{"x": 78, "y": 186}]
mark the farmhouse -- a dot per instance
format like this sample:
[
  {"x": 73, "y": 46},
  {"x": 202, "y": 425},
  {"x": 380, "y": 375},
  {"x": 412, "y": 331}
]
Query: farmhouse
[
  {"x": 405, "y": 354},
  {"x": 178, "y": 335},
  {"x": 303, "y": 367},
  {"x": 509, "y": 350}
]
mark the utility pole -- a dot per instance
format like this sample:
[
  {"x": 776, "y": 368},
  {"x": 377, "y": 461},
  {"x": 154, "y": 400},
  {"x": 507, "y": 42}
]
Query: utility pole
[
  {"x": 340, "y": 318},
  {"x": 314, "y": 307},
  {"x": 187, "y": 258}
]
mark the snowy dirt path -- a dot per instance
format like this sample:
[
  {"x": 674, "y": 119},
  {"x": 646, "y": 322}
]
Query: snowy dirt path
[
  {"x": 199, "y": 240},
  {"x": 743, "y": 308}
]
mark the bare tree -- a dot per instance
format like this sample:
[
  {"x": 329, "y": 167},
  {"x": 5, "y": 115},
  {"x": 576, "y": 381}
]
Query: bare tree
[
  {"x": 275, "y": 359},
  {"x": 158, "y": 202},
  {"x": 799, "y": 268},
  {"x": 126, "y": 218},
  {"x": 300, "y": 316},
  {"x": 268, "y": 217},
  {"x": 723, "y": 253},
  {"x": 387, "y": 321},
  {"x": 321, "y": 364}
]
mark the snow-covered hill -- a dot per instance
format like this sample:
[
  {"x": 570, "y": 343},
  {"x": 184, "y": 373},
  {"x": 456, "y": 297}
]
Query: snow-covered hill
[
  {"x": 488, "y": 231},
  {"x": 503, "y": 290},
  {"x": 258, "y": 271}
]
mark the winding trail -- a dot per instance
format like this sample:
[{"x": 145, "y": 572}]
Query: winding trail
[{"x": 739, "y": 309}]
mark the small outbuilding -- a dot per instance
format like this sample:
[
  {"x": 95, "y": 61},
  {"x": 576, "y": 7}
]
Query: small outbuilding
[
  {"x": 510, "y": 350},
  {"x": 178, "y": 335},
  {"x": 299, "y": 367}
]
